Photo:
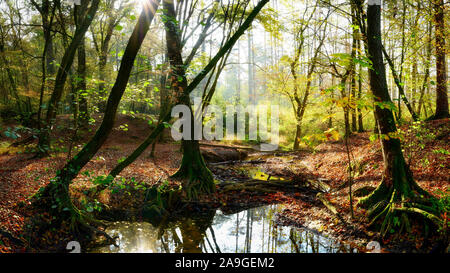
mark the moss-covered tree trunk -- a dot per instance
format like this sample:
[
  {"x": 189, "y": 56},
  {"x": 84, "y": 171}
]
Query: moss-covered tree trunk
[
  {"x": 398, "y": 191},
  {"x": 193, "y": 170}
]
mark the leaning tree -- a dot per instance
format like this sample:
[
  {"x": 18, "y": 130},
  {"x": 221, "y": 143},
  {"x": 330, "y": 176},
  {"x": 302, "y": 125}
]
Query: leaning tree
[
  {"x": 193, "y": 169},
  {"x": 55, "y": 196}
]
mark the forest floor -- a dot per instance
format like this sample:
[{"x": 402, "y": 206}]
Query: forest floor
[{"x": 426, "y": 149}]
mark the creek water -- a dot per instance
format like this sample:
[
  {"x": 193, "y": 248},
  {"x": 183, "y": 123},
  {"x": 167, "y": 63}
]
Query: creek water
[{"x": 248, "y": 231}]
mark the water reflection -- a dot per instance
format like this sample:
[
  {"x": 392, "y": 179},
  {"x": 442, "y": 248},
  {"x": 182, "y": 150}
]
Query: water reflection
[{"x": 248, "y": 231}]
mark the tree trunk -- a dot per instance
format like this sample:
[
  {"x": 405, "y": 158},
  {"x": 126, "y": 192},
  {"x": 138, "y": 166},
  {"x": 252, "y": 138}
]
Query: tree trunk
[
  {"x": 425, "y": 83},
  {"x": 66, "y": 63},
  {"x": 397, "y": 184},
  {"x": 102, "y": 60},
  {"x": 401, "y": 91},
  {"x": 11, "y": 79},
  {"x": 352, "y": 97},
  {"x": 442, "y": 110},
  {"x": 49, "y": 54},
  {"x": 83, "y": 118},
  {"x": 251, "y": 83},
  {"x": 195, "y": 82},
  {"x": 414, "y": 85},
  {"x": 360, "y": 116},
  {"x": 83, "y": 115},
  {"x": 298, "y": 134},
  {"x": 198, "y": 178},
  {"x": 45, "y": 62}
]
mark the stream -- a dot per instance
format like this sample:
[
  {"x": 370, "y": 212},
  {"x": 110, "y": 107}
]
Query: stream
[{"x": 248, "y": 231}]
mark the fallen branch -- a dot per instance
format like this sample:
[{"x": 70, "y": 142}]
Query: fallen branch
[
  {"x": 237, "y": 162},
  {"x": 228, "y": 146},
  {"x": 23, "y": 141},
  {"x": 263, "y": 186},
  {"x": 319, "y": 185},
  {"x": 331, "y": 208}
]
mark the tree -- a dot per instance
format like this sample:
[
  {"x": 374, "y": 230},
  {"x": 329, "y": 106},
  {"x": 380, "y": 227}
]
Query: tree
[
  {"x": 47, "y": 14},
  {"x": 427, "y": 62},
  {"x": 442, "y": 110},
  {"x": 192, "y": 169},
  {"x": 397, "y": 192},
  {"x": 399, "y": 84},
  {"x": 298, "y": 95},
  {"x": 12, "y": 81},
  {"x": 299, "y": 103},
  {"x": 46, "y": 10},
  {"x": 79, "y": 100},
  {"x": 102, "y": 31},
  {"x": 56, "y": 194},
  {"x": 61, "y": 76}
]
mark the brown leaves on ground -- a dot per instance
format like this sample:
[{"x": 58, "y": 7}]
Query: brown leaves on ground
[
  {"x": 429, "y": 164},
  {"x": 21, "y": 175}
]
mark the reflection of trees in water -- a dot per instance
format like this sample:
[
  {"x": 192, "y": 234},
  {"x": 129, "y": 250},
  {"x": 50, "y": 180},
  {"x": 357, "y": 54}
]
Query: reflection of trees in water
[
  {"x": 276, "y": 239},
  {"x": 188, "y": 234},
  {"x": 305, "y": 241},
  {"x": 133, "y": 237},
  {"x": 253, "y": 225},
  {"x": 253, "y": 230},
  {"x": 248, "y": 232}
]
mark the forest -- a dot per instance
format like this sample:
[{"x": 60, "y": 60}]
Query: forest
[{"x": 224, "y": 126}]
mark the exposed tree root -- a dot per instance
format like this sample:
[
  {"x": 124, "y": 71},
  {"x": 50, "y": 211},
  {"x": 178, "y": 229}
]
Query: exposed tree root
[
  {"x": 57, "y": 201},
  {"x": 390, "y": 206},
  {"x": 197, "y": 178},
  {"x": 433, "y": 218},
  {"x": 195, "y": 182},
  {"x": 395, "y": 198}
]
